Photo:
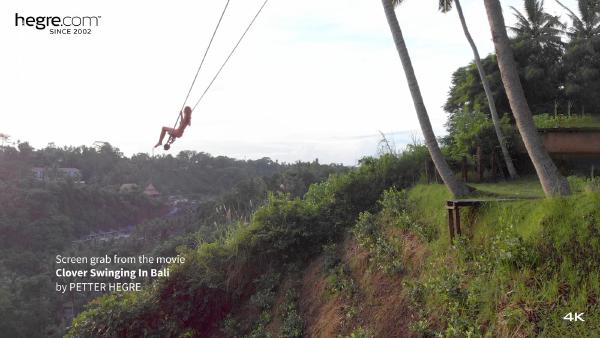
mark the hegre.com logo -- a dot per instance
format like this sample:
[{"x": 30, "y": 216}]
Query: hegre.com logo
[{"x": 43, "y": 22}]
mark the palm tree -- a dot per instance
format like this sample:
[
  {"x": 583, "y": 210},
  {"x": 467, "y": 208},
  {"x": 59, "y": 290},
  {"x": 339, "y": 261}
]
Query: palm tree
[
  {"x": 552, "y": 181},
  {"x": 538, "y": 49},
  {"x": 537, "y": 26},
  {"x": 582, "y": 57},
  {"x": 586, "y": 26},
  {"x": 445, "y": 6},
  {"x": 456, "y": 187}
]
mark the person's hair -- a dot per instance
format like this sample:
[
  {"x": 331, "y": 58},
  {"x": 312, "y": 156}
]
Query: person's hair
[
  {"x": 167, "y": 147},
  {"x": 187, "y": 110}
]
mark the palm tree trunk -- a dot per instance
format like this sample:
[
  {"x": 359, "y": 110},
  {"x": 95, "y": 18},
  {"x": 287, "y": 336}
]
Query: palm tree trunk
[
  {"x": 552, "y": 181},
  {"x": 456, "y": 187},
  {"x": 488, "y": 93}
]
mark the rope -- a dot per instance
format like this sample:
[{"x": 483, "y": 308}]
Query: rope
[
  {"x": 202, "y": 62},
  {"x": 230, "y": 54}
]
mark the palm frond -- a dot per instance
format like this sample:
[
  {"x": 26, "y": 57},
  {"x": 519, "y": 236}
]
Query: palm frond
[
  {"x": 445, "y": 5},
  {"x": 396, "y": 3}
]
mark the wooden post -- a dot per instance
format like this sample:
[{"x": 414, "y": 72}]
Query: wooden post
[
  {"x": 450, "y": 224},
  {"x": 479, "y": 163},
  {"x": 457, "y": 220},
  {"x": 494, "y": 169},
  {"x": 465, "y": 169}
]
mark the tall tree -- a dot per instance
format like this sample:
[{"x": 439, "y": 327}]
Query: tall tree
[
  {"x": 586, "y": 25},
  {"x": 538, "y": 49},
  {"x": 537, "y": 26},
  {"x": 445, "y": 6},
  {"x": 582, "y": 56},
  {"x": 456, "y": 187},
  {"x": 552, "y": 181}
]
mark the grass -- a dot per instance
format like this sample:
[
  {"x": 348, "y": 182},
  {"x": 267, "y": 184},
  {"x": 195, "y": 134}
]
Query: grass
[
  {"x": 525, "y": 187},
  {"x": 520, "y": 268},
  {"x": 564, "y": 121}
]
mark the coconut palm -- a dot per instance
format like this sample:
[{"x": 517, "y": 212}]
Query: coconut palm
[
  {"x": 582, "y": 57},
  {"x": 456, "y": 187},
  {"x": 552, "y": 181},
  {"x": 586, "y": 25},
  {"x": 538, "y": 49},
  {"x": 445, "y": 6},
  {"x": 537, "y": 26}
]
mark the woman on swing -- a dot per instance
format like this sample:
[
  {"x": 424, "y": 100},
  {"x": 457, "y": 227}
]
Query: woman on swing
[{"x": 186, "y": 120}]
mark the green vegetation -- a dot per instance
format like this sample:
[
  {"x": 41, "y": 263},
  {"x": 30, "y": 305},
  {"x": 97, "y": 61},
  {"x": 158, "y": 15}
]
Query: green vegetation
[
  {"x": 254, "y": 226},
  {"x": 557, "y": 66},
  {"x": 217, "y": 277},
  {"x": 40, "y": 218},
  {"x": 293, "y": 325},
  {"x": 39, "y": 221},
  {"x": 526, "y": 187},
  {"x": 520, "y": 268},
  {"x": 565, "y": 121},
  {"x": 385, "y": 252},
  {"x": 360, "y": 333},
  {"x": 529, "y": 187}
]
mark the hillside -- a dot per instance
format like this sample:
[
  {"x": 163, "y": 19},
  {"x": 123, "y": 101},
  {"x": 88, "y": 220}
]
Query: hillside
[
  {"x": 41, "y": 217},
  {"x": 359, "y": 256}
]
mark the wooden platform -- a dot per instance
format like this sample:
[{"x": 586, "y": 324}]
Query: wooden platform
[{"x": 453, "y": 207}]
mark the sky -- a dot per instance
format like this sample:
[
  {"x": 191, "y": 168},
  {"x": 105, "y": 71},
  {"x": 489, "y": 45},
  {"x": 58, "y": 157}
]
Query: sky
[{"x": 312, "y": 79}]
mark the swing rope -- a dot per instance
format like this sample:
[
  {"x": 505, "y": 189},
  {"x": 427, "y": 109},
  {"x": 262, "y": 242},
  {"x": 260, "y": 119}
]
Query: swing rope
[
  {"x": 231, "y": 54},
  {"x": 203, "y": 59},
  {"x": 171, "y": 138}
]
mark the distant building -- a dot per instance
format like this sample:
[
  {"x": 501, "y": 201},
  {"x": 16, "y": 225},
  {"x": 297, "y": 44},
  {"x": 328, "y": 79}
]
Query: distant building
[
  {"x": 574, "y": 150},
  {"x": 39, "y": 173},
  {"x": 53, "y": 174},
  {"x": 151, "y": 191},
  {"x": 128, "y": 188}
]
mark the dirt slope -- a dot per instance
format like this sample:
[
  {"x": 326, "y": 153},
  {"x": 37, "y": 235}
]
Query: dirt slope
[{"x": 378, "y": 303}]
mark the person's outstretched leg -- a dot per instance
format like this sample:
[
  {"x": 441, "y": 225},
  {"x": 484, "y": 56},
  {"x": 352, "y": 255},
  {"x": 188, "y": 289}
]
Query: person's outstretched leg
[{"x": 162, "y": 135}]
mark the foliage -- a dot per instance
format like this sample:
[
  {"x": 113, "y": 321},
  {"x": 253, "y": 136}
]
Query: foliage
[
  {"x": 467, "y": 93},
  {"x": 188, "y": 173},
  {"x": 557, "y": 64},
  {"x": 468, "y": 130},
  {"x": 330, "y": 257},
  {"x": 266, "y": 286},
  {"x": 565, "y": 121},
  {"x": 385, "y": 254},
  {"x": 360, "y": 332},
  {"x": 395, "y": 211},
  {"x": 293, "y": 325},
  {"x": 340, "y": 283},
  {"x": 218, "y": 276},
  {"x": 38, "y": 221},
  {"x": 582, "y": 57},
  {"x": 522, "y": 267},
  {"x": 41, "y": 218}
]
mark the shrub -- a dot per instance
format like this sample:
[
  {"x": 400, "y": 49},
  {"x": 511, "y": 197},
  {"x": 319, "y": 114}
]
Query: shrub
[
  {"x": 293, "y": 325},
  {"x": 385, "y": 254},
  {"x": 285, "y": 231},
  {"x": 360, "y": 332}
]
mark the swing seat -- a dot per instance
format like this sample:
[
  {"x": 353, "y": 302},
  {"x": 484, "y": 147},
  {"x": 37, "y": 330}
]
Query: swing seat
[{"x": 170, "y": 141}]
